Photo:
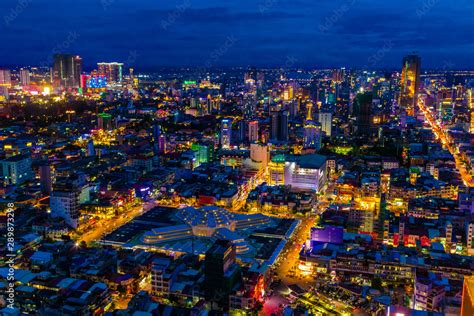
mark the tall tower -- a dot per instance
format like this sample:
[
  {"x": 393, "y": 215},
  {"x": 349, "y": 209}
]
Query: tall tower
[
  {"x": 220, "y": 272},
  {"x": 279, "y": 126},
  {"x": 253, "y": 131},
  {"x": 312, "y": 135},
  {"x": 226, "y": 132},
  {"x": 362, "y": 112},
  {"x": 410, "y": 83},
  {"x": 112, "y": 71},
  {"x": 325, "y": 119},
  {"x": 5, "y": 82},
  {"x": 45, "y": 178},
  {"x": 470, "y": 104},
  {"x": 67, "y": 71},
  {"x": 24, "y": 78},
  {"x": 309, "y": 114}
]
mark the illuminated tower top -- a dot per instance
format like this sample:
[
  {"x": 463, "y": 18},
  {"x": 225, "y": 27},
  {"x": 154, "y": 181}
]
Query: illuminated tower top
[
  {"x": 309, "y": 115},
  {"x": 410, "y": 82}
]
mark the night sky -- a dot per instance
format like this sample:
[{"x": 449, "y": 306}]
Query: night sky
[{"x": 148, "y": 34}]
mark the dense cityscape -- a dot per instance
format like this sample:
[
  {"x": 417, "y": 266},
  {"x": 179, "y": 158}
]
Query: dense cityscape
[
  {"x": 240, "y": 191},
  {"x": 251, "y": 157}
]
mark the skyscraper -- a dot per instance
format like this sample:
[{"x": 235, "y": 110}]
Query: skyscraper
[
  {"x": 220, "y": 271},
  {"x": 253, "y": 131},
  {"x": 24, "y": 77},
  {"x": 325, "y": 119},
  {"x": 249, "y": 103},
  {"x": 279, "y": 126},
  {"x": 362, "y": 112},
  {"x": 226, "y": 132},
  {"x": 156, "y": 133},
  {"x": 312, "y": 135},
  {"x": 45, "y": 178},
  {"x": 5, "y": 82},
  {"x": 67, "y": 71},
  {"x": 410, "y": 83},
  {"x": 112, "y": 71}
]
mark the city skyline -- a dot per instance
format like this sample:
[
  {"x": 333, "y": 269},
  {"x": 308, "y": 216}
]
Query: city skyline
[{"x": 265, "y": 157}]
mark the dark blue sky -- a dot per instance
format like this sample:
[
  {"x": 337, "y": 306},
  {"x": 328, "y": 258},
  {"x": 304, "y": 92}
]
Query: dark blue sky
[{"x": 315, "y": 33}]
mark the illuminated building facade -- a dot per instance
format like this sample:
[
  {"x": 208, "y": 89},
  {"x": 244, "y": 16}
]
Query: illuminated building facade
[
  {"x": 226, "y": 133},
  {"x": 16, "y": 169},
  {"x": 253, "y": 131},
  {"x": 306, "y": 172},
  {"x": 470, "y": 102},
  {"x": 105, "y": 121},
  {"x": 260, "y": 153},
  {"x": 410, "y": 83},
  {"x": 312, "y": 135},
  {"x": 112, "y": 71},
  {"x": 24, "y": 77},
  {"x": 276, "y": 170},
  {"x": 67, "y": 71},
  {"x": 64, "y": 203},
  {"x": 279, "y": 126},
  {"x": 204, "y": 152},
  {"x": 325, "y": 119},
  {"x": 428, "y": 296},
  {"x": 5, "y": 83}
]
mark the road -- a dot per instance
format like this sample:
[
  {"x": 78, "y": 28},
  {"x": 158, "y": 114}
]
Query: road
[
  {"x": 289, "y": 258},
  {"x": 441, "y": 134},
  {"x": 105, "y": 226}
]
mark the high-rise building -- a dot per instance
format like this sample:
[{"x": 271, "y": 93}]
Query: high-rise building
[
  {"x": 253, "y": 131},
  {"x": 410, "y": 83},
  {"x": 312, "y": 135},
  {"x": 67, "y": 71},
  {"x": 279, "y": 126},
  {"x": 306, "y": 172},
  {"x": 470, "y": 238},
  {"x": 112, "y": 71},
  {"x": 24, "y": 78},
  {"x": 249, "y": 105},
  {"x": 105, "y": 121},
  {"x": 470, "y": 103},
  {"x": 362, "y": 113},
  {"x": 67, "y": 194},
  {"x": 162, "y": 144},
  {"x": 64, "y": 203},
  {"x": 241, "y": 131},
  {"x": 260, "y": 153},
  {"x": 325, "y": 119},
  {"x": 45, "y": 178},
  {"x": 220, "y": 272},
  {"x": 16, "y": 169},
  {"x": 5, "y": 82},
  {"x": 204, "y": 152},
  {"x": 226, "y": 132},
  {"x": 428, "y": 296},
  {"x": 90, "y": 148}
]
